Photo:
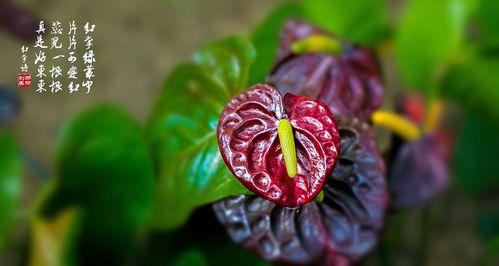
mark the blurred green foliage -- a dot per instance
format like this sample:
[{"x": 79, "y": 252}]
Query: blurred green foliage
[
  {"x": 265, "y": 38},
  {"x": 182, "y": 130},
  {"x": 436, "y": 53},
  {"x": 430, "y": 34},
  {"x": 487, "y": 19},
  {"x": 492, "y": 253},
  {"x": 363, "y": 22},
  {"x": 10, "y": 185},
  {"x": 488, "y": 225},
  {"x": 201, "y": 241},
  {"x": 474, "y": 83},
  {"x": 225, "y": 254},
  {"x": 192, "y": 257},
  {"x": 488, "y": 228},
  {"x": 105, "y": 170},
  {"x": 476, "y": 146}
]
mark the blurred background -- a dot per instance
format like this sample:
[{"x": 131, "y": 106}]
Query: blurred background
[
  {"x": 145, "y": 39},
  {"x": 138, "y": 42}
]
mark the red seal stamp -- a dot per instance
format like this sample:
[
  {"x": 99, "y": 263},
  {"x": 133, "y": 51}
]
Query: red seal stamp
[{"x": 24, "y": 81}]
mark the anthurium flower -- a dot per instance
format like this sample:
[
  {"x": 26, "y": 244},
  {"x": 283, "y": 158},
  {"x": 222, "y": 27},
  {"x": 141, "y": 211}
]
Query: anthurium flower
[
  {"x": 340, "y": 229},
  {"x": 280, "y": 148},
  {"x": 420, "y": 169},
  {"x": 313, "y": 63}
]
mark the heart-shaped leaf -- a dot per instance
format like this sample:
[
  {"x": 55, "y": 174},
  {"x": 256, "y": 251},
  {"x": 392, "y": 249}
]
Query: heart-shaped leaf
[
  {"x": 182, "y": 130},
  {"x": 10, "y": 184},
  {"x": 249, "y": 143},
  {"x": 104, "y": 169}
]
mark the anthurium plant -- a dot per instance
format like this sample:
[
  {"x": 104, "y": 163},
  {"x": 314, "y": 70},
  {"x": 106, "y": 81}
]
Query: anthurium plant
[{"x": 272, "y": 143}]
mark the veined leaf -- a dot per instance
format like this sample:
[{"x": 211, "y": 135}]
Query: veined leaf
[{"x": 182, "y": 130}]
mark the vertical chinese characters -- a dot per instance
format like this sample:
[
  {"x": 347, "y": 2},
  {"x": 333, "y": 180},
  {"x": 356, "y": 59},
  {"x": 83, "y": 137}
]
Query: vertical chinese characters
[
  {"x": 72, "y": 73},
  {"x": 24, "y": 78},
  {"x": 89, "y": 56},
  {"x": 57, "y": 53},
  {"x": 24, "y": 59},
  {"x": 56, "y": 70},
  {"x": 40, "y": 58}
]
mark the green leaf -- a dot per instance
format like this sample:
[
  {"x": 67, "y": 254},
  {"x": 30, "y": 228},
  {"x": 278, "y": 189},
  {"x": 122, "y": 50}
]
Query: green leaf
[
  {"x": 360, "y": 21},
  {"x": 10, "y": 184},
  {"x": 192, "y": 243},
  {"x": 265, "y": 38},
  {"x": 429, "y": 36},
  {"x": 182, "y": 130},
  {"x": 474, "y": 83},
  {"x": 191, "y": 257},
  {"x": 488, "y": 225},
  {"x": 491, "y": 256},
  {"x": 103, "y": 168},
  {"x": 475, "y": 164},
  {"x": 487, "y": 17},
  {"x": 217, "y": 255}
]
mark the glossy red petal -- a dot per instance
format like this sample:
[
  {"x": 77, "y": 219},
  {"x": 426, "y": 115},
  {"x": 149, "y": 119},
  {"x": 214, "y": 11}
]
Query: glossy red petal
[{"x": 249, "y": 144}]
